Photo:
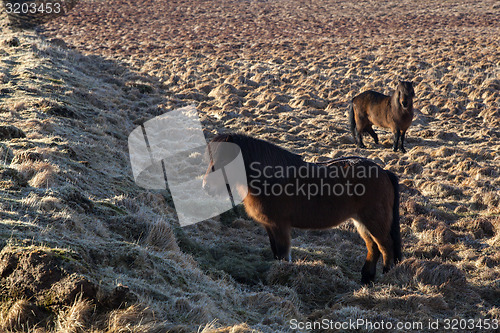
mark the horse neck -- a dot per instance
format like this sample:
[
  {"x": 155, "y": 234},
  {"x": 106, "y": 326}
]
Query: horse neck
[{"x": 394, "y": 103}]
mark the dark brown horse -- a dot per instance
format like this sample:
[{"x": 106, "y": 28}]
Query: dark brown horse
[
  {"x": 373, "y": 108},
  {"x": 286, "y": 192}
]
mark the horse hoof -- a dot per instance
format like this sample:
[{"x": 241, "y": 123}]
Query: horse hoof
[
  {"x": 366, "y": 281},
  {"x": 367, "y": 278}
]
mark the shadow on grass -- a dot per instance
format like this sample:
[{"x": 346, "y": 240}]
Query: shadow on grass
[{"x": 245, "y": 263}]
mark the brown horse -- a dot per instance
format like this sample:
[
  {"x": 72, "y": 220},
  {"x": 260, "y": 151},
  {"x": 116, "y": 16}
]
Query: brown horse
[
  {"x": 373, "y": 108},
  {"x": 286, "y": 192}
]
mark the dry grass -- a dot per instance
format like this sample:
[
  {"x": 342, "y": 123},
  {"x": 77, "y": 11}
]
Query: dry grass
[
  {"x": 77, "y": 318},
  {"x": 284, "y": 71},
  {"x": 134, "y": 319},
  {"x": 38, "y": 173},
  {"x": 22, "y": 316},
  {"x": 161, "y": 237}
]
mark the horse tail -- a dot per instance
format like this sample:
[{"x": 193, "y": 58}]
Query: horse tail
[
  {"x": 395, "y": 230},
  {"x": 352, "y": 121}
]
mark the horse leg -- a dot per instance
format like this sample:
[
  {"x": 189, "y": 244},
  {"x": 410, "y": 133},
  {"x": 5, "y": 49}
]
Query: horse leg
[
  {"x": 378, "y": 225},
  {"x": 272, "y": 241},
  {"x": 360, "y": 138},
  {"x": 282, "y": 235},
  {"x": 360, "y": 124},
  {"x": 370, "y": 267},
  {"x": 396, "y": 139},
  {"x": 354, "y": 133},
  {"x": 384, "y": 244},
  {"x": 373, "y": 134},
  {"x": 403, "y": 133}
]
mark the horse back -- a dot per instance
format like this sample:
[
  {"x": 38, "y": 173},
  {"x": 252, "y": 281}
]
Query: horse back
[
  {"x": 371, "y": 107},
  {"x": 329, "y": 208}
]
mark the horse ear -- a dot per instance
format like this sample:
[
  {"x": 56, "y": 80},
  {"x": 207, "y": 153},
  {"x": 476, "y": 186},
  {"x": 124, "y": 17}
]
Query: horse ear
[{"x": 410, "y": 86}]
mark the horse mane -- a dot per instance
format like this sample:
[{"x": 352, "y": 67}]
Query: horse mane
[{"x": 256, "y": 150}]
